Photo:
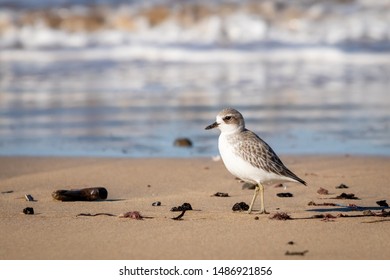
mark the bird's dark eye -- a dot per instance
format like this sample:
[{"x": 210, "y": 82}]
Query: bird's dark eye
[{"x": 227, "y": 118}]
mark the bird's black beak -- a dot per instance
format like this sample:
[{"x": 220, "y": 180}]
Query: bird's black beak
[{"x": 211, "y": 126}]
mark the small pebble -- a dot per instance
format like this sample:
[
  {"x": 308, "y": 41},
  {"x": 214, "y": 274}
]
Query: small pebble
[
  {"x": 241, "y": 206},
  {"x": 157, "y": 203},
  {"x": 221, "y": 194},
  {"x": 284, "y": 194},
  {"x": 28, "y": 211},
  {"x": 182, "y": 142},
  {"x": 29, "y": 197}
]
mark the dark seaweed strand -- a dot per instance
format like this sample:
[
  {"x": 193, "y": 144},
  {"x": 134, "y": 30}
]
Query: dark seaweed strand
[{"x": 265, "y": 158}]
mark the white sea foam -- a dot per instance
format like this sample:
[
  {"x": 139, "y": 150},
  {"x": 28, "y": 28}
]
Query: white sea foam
[
  {"x": 322, "y": 29},
  {"x": 195, "y": 55}
]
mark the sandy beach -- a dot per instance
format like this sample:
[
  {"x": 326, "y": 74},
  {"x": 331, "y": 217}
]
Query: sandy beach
[{"x": 211, "y": 231}]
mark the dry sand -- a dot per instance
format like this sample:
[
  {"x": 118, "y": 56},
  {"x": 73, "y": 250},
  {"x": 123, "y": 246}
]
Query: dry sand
[{"x": 211, "y": 231}]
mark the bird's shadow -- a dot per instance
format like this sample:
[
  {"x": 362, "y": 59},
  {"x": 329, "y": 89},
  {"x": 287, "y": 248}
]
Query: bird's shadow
[{"x": 347, "y": 209}]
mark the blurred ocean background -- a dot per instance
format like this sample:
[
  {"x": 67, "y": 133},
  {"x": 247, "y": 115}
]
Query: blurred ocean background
[{"x": 126, "y": 78}]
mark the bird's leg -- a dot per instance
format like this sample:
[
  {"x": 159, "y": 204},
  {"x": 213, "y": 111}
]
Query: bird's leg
[
  {"x": 254, "y": 198},
  {"x": 262, "y": 211}
]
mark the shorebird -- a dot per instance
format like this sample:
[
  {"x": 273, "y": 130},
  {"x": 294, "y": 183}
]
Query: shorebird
[{"x": 248, "y": 157}]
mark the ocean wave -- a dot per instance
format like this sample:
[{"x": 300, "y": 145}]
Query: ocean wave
[{"x": 163, "y": 27}]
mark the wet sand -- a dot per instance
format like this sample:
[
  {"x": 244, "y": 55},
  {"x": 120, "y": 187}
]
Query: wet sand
[{"x": 211, "y": 231}]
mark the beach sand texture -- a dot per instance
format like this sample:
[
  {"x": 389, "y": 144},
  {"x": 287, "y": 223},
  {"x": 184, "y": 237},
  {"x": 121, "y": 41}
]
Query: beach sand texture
[{"x": 211, "y": 231}]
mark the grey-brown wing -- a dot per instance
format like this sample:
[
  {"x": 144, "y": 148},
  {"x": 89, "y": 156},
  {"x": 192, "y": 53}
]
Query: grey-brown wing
[{"x": 256, "y": 151}]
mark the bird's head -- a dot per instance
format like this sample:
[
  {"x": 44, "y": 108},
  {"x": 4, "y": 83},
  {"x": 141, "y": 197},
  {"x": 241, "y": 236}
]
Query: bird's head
[{"x": 228, "y": 121}]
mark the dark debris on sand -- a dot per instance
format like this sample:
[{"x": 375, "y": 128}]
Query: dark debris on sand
[
  {"x": 312, "y": 203},
  {"x": 288, "y": 253},
  {"x": 95, "y": 215},
  {"x": 383, "y": 213},
  {"x": 382, "y": 203},
  {"x": 28, "y": 211},
  {"x": 286, "y": 194},
  {"x": 29, "y": 197},
  {"x": 280, "y": 216},
  {"x": 180, "y": 216},
  {"x": 328, "y": 217},
  {"x": 240, "y": 206},
  {"x": 184, "y": 207},
  {"x": 5, "y": 192},
  {"x": 346, "y": 196},
  {"x": 221, "y": 194},
  {"x": 86, "y": 194},
  {"x": 342, "y": 186},
  {"x": 322, "y": 191},
  {"x": 132, "y": 215}
]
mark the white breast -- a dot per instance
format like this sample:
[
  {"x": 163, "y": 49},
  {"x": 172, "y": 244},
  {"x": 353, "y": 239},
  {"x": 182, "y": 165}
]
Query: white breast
[{"x": 243, "y": 169}]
